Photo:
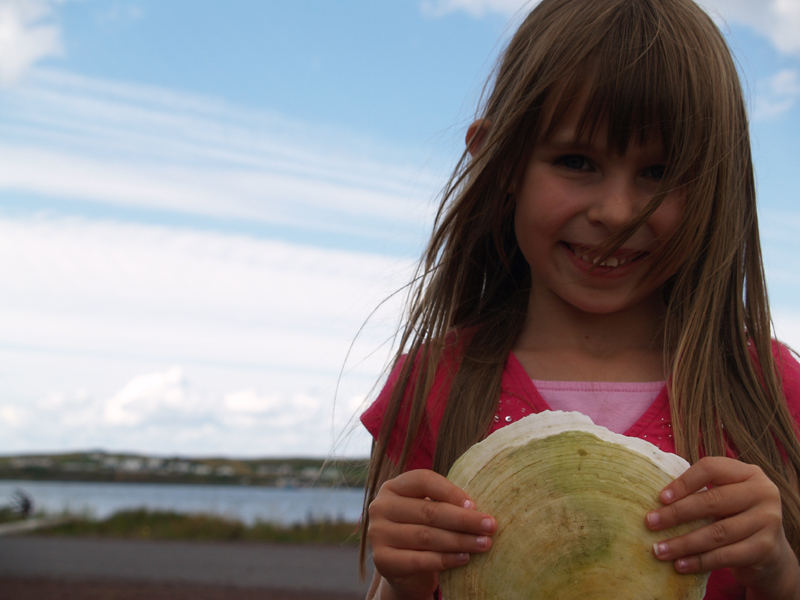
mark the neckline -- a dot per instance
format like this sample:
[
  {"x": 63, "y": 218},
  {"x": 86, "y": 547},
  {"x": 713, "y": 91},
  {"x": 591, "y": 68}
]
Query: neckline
[
  {"x": 526, "y": 390},
  {"x": 599, "y": 386}
]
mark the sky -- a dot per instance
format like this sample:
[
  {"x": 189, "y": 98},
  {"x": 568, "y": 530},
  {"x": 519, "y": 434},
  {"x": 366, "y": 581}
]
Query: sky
[{"x": 207, "y": 208}]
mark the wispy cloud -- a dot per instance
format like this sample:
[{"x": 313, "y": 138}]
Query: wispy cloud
[
  {"x": 476, "y": 8},
  {"x": 778, "y": 95},
  {"x": 778, "y": 20},
  {"x": 152, "y": 149},
  {"x": 120, "y": 12},
  {"x": 26, "y": 36}
]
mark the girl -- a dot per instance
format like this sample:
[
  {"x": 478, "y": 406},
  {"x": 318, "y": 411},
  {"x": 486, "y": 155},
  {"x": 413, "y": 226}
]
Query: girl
[{"x": 597, "y": 250}]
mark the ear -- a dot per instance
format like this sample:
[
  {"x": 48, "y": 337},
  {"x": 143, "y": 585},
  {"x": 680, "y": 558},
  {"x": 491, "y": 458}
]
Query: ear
[{"x": 476, "y": 134}]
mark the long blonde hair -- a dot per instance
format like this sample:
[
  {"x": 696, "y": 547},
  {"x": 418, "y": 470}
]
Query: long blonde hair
[{"x": 651, "y": 67}]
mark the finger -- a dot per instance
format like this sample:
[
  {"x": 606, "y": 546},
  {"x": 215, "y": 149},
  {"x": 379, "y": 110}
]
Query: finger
[
  {"x": 716, "y": 471},
  {"x": 396, "y": 563},
  {"x": 713, "y": 502},
  {"x": 442, "y": 516},
  {"x": 423, "y": 538},
  {"x": 428, "y": 484},
  {"x": 741, "y": 554},
  {"x": 726, "y": 532}
]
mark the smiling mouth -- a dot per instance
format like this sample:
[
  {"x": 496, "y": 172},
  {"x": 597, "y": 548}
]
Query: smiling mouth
[{"x": 617, "y": 259}]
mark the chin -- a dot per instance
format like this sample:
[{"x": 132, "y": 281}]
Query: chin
[{"x": 602, "y": 306}]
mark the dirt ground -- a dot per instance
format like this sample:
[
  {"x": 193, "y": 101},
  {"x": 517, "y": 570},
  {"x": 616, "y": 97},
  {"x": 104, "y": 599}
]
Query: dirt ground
[{"x": 43, "y": 589}]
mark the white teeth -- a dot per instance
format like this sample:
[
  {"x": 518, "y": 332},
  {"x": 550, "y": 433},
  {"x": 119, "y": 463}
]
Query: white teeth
[{"x": 609, "y": 262}]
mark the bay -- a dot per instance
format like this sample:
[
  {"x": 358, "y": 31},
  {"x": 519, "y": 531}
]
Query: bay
[{"x": 248, "y": 504}]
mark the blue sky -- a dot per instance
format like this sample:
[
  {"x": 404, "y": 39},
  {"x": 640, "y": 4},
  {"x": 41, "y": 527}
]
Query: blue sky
[{"x": 202, "y": 201}]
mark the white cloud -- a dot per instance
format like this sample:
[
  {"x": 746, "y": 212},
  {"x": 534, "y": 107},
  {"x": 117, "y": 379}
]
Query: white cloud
[
  {"x": 165, "y": 412},
  {"x": 94, "y": 316},
  {"x": 778, "y": 20},
  {"x": 250, "y": 402},
  {"x": 12, "y": 416},
  {"x": 185, "y": 295},
  {"x": 787, "y": 328},
  {"x": 146, "y": 395},
  {"x": 778, "y": 96},
  {"x": 476, "y": 8},
  {"x": 120, "y": 12},
  {"x": 26, "y": 36},
  {"x": 155, "y": 399}
]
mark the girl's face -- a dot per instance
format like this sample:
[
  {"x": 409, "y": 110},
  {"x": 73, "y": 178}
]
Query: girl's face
[{"x": 573, "y": 195}]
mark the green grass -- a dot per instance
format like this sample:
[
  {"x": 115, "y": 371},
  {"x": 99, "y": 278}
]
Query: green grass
[
  {"x": 7, "y": 515},
  {"x": 163, "y": 525}
]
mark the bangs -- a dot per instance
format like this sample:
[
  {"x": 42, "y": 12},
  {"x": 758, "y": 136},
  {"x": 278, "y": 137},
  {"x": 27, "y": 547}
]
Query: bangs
[{"x": 634, "y": 84}]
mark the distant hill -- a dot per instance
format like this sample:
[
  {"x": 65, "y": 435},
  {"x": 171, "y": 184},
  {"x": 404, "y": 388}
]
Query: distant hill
[{"x": 105, "y": 466}]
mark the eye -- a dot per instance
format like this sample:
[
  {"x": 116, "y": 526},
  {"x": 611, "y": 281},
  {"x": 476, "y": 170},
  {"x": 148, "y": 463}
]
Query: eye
[
  {"x": 656, "y": 172},
  {"x": 574, "y": 162}
]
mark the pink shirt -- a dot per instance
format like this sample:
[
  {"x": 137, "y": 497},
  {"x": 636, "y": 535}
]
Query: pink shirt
[
  {"x": 615, "y": 406},
  {"x": 519, "y": 397}
]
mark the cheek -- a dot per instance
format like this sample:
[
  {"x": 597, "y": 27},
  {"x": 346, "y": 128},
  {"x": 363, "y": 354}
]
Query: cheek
[
  {"x": 527, "y": 234},
  {"x": 521, "y": 228},
  {"x": 667, "y": 218},
  {"x": 530, "y": 222}
]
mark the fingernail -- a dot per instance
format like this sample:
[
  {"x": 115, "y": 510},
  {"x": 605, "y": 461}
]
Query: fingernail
[
  {"x": 482, "y": 541},
  {"x": 487, "y": 525},
  {"x": 660, "y": 548},
  {"x": 666, "y": 495},
  {"x": 653, "y": 518},
  {"x": 468, "y": 504},
  {"x": 463, "y": 558},
  {"x": 682, "y": 565}
]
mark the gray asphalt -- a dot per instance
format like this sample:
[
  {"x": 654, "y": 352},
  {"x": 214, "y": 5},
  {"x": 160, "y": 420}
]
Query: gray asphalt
[{"x": 321, "y": 569}]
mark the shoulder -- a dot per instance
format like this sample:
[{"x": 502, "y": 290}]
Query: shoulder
[
  {"x": 789, "y": 371},
  {"x": 786, "y": 363},
  {"x": 374, "y": 416},
  {"x": 445, "y": 369}
]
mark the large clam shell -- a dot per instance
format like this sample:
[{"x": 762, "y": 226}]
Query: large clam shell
[{"x": 570, "y": 499}]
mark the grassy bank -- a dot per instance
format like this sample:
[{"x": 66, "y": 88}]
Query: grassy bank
[
  {"x": 8, "y": 515},
  {"x": 162, "y": 525}
]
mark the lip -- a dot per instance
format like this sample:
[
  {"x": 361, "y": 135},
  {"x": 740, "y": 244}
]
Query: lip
[{"x": 574, "y": 252}]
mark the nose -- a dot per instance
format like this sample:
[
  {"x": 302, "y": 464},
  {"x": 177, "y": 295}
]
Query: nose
[{"x": 615, "y": 203}]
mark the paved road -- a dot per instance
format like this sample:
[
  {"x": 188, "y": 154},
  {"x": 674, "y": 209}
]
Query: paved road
[
  {"x": 48, "y": 589},
  {"x": 244, "y": 565}
]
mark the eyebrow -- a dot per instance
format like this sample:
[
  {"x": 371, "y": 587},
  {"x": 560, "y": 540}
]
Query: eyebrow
[
  {"x": 568, "y": 144},
  {"x": 564, "y": 143}
]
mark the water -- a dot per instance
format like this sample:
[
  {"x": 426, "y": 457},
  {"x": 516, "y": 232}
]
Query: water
[{"x": 244, "y": 503}]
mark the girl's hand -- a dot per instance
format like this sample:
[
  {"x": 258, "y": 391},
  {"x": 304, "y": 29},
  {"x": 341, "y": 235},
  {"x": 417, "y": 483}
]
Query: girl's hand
[
  {"x": 420, "y": 524},
  {"x": 747, "y": 535}
]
